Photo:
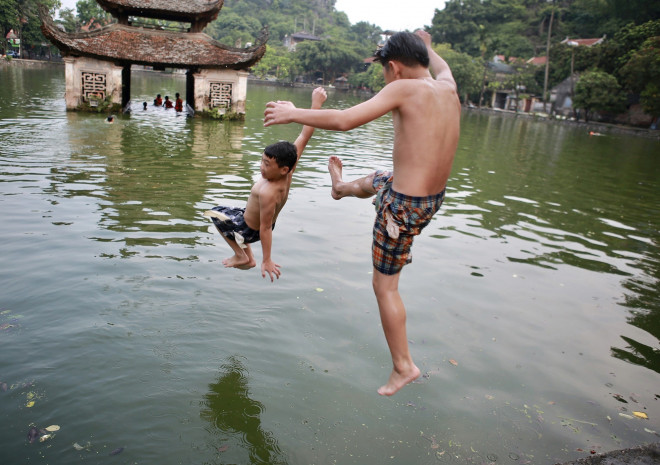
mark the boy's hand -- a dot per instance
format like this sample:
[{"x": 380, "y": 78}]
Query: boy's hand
[
  {"x": 425, "y": 36},
  {"x": 319, "y": 96},
  {"x": 270, "y": 267},
  {"x": 277, "y": 112}
]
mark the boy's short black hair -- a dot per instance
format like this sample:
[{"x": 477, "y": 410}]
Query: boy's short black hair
[
  {"x": 406, "y": 47},
  {"x": 284, "y": 153}
]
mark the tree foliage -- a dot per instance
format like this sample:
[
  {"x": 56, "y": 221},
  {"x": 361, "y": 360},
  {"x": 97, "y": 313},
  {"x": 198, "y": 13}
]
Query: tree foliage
[
  {"x": 598, "y": 91},
  {"x": 642, "y": 72},
  {"x": 22, "y": 16},
  {"x": 467, "y": 70}
]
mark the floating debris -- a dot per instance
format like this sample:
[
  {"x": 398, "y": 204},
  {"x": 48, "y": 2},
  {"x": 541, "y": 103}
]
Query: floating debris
[
  {"x": 223, "y": 448},
  {"x": 625, "y": 415},
  {"x": 53, "y": 428},
  {"x": 641, "y": 415},
  {"x": 117, "y": 451},
  {"x": 77, "y": 446},
  {"x": 453, "y": 362},
  {"x": 33, "y": 434}
]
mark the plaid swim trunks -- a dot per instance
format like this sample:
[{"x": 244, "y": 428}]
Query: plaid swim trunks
[
  {"x": 399, "y": 218},
  {"x": 235, "y": 227}
]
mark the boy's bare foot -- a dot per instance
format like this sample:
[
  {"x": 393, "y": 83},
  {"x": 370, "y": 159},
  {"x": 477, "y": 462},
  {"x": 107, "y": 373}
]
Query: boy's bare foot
[
  {"x": 242, "y": 263},
  {"x": 334, "y": 167},
  {"x": 398, "y": 380}
]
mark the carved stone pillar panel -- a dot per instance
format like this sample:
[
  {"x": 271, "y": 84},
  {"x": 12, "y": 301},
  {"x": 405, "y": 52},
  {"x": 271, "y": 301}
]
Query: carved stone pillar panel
[
  {"x": 89, "y": 80},
  {"x": 223, "y": 89}
]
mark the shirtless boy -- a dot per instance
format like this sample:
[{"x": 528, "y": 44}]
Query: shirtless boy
[
  {"x": 241, "y": 227},
  {"x": 426, "y": 119}
]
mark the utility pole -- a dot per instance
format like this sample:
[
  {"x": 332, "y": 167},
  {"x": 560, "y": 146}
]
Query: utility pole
[{"x": 547, "y": 59}]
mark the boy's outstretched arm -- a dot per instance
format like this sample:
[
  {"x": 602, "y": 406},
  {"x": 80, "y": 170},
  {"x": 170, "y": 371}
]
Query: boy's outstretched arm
[
  {"x": 319, "y": 96},
  {"x": 266, "y": 213},
  {"x": 439, "y": 67}
]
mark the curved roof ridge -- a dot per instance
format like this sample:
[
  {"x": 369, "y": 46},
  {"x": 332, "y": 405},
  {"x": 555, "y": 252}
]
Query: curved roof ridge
[{"x": 195, "y": 7}]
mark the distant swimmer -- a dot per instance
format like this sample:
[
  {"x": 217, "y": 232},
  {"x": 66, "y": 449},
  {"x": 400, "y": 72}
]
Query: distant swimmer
[{"x": 178, "y": 105}]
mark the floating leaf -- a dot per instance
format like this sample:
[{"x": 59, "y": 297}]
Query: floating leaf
[
  {"x": 641, "y": 415},
  {"x": 318, "y": 289},
  {"x": 53, "y": 428},
  {"x": 625, "y": 415},
  {"x": 453, "y": 362},
  {"x": 44, "y": 437},
  {"x": 77, "y": 446},
  {"x": 30, "y": 404}
]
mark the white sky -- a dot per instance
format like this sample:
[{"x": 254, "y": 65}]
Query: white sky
[{"x": 395, "y": 15}]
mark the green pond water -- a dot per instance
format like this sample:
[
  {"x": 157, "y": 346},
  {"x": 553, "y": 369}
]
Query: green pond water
[{"x": 533, "y": 297}]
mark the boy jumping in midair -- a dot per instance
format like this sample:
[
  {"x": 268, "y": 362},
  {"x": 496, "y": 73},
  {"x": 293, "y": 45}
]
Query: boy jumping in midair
[
  {"x": 426, "y": 118},
  {"x": 242, "y": 226}
]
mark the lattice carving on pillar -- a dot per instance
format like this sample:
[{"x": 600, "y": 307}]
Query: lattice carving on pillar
[
  {"x": 221, "y": 94},
  {"x": 94, "y": 85}
]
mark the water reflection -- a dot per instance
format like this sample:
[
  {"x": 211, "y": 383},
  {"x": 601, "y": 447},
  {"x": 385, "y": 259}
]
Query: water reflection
[
  {"x": 151, "y": 171},
  {"x": 235, "y": 419},
  {"x": 643, "y": 301}
]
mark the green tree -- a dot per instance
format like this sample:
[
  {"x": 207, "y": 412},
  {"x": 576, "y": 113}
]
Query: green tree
[
  {"x": 598, "y": 91},
  {"x": 276, "y": 62},
  {"x": 467, "y": 70},
  {"x": 68, "y": 20},
  {"x": 641, "y": 74},
  {"x": 9, "y": 18},
  {"x": 23, "y": 17},
  {"x": 327, "y": 59},
  {"x": 88, "y": 9},
  {"x": 372, "y": 78}
]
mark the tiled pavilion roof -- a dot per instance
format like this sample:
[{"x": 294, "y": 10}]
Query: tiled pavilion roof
[
  {"x": 152, "y": 47},
  {"x": 172, "y": 10}
]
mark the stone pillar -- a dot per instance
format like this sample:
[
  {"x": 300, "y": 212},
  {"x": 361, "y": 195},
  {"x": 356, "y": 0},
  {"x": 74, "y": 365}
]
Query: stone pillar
[
  {"x": 88, "y": 79},
  {"x": 225, "y": 89},
  {"x": 125, "y": 85},
  {"x": 190, "y": 89}
]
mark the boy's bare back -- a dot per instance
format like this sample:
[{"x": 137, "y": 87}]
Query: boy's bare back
[{"x": 426, "y": 131}]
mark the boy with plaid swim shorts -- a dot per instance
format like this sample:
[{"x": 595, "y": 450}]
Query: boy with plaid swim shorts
[
  {"x": 399, "y": 218},
  {"x": 426, "y": 119}
]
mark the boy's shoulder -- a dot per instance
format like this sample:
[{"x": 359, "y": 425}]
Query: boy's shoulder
[{"x": 272, "y": 186}]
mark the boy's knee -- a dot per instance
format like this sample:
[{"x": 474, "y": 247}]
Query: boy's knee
[
  {"x": 383, "y": 283},
  {"x": 368, "y": 184}
]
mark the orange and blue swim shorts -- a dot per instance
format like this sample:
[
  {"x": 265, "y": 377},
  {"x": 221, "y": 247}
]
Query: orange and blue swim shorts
[{"x": 399, "y": 218}]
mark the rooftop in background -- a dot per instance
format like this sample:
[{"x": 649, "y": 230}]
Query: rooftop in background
[
  {"x": 197, "y": 12},
  {"x": 583, "y": 42}
]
